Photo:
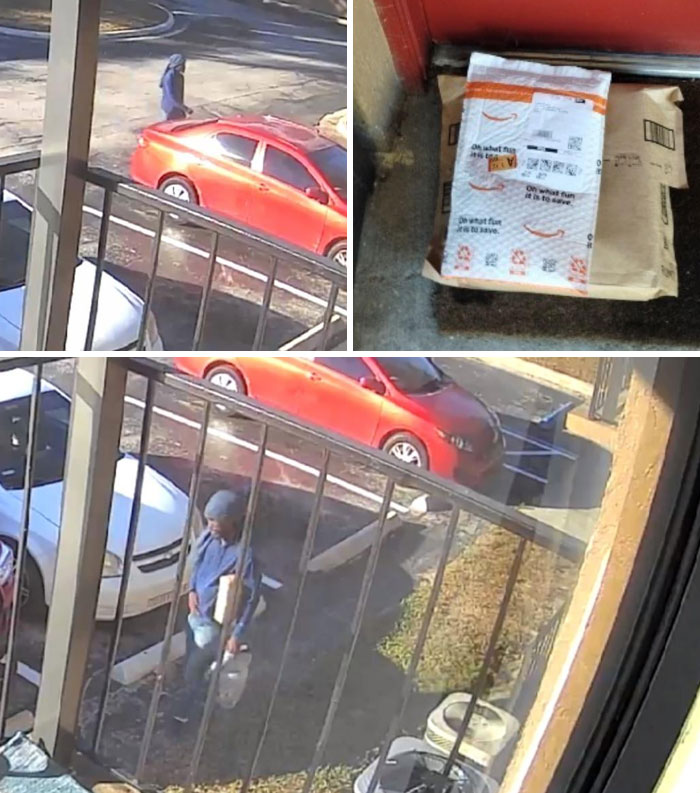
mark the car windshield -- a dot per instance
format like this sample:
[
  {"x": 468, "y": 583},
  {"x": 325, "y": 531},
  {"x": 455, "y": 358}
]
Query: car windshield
[
  {"x": 414, "y": 375},
  {"x": 52, "y": 435},
  {"x": 333, "y": 164},
  {"x": 14, "y": 244}
]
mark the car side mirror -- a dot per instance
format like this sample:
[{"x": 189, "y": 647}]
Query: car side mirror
[
  {"x": 317, "y": 194},
  {"x": 372, "y": 384}
]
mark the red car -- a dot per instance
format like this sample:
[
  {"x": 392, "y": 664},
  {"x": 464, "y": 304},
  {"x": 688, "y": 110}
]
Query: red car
[
  {"x": 278, "y": 176},
  {"x": 406, "y": 406}
]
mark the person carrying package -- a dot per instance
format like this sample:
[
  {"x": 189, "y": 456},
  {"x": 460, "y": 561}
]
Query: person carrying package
[{"x": 216, "y": 556}]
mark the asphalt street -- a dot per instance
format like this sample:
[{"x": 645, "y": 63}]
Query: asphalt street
[
  {"x": 242, "y": 57},
  {"x": 350, "y": 502}
]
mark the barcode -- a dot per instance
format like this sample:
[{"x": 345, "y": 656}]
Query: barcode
[
  {"x": 657, "y": 133},
  {"x": 575, "y": 143},
  {"x": 446, "y": 197},
  {"x": 543, "y": 133}
]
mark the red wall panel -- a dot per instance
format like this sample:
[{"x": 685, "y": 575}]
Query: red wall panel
[{"x": 622, "y": 25}]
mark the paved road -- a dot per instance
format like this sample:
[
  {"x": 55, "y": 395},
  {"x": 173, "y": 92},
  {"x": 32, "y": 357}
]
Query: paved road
[{"x": 251, "y": 57}]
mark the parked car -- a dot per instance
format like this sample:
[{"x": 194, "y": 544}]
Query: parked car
[
  {"x": 412, "y": 766},
  {"x": 7, "y": 583},
  {"x": 119, "y": 310},
  {"x": 162, "y": 515},
  {"x": 406, "y": 406},
  {"x": 278, "y": 176}
]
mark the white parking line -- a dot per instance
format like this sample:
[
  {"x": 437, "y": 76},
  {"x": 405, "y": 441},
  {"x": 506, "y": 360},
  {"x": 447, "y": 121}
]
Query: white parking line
[
  {"x": 308, "y": 469},
  {"x": 333, "y": 42},
  {"x": 307, "y": 334},
  {"x": 184, "y": 246}
]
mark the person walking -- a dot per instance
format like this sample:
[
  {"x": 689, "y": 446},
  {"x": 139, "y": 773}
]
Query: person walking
[
  {"x": 217, "y": 554},
  {"x": 172, "y": 85}
]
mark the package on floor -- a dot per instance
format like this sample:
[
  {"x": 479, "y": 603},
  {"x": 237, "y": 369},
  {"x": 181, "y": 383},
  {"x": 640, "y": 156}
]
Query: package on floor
[{"x": 536, "y": 244}]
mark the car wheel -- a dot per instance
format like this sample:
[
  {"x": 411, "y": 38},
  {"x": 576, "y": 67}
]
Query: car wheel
[
  {"x": 226, "y": 377},
  {"x": 407, "y": 448},
  {"x": 181, "y": 188},
  {"x": 339, "y": 253},
  {"x": 32, "y": 599}
]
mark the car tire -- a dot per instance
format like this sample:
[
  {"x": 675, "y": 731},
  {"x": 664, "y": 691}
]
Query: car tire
[
  {"x": 227, "y": 377},
  {"x": 407, "y": 448},
  {"x": 339, "y": 253},
  {"x": 179, "y": 187},
  {"x": 32, "y": 594}
]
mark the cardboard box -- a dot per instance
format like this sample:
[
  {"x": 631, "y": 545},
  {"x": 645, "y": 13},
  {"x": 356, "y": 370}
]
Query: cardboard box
[{"x": 633, "y": 254}]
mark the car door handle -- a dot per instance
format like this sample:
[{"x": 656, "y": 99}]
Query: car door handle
[{"x": 263, "y": 188}]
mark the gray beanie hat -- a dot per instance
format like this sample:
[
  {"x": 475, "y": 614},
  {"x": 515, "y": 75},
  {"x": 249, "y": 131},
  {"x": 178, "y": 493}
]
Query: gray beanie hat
[{"x": 225, "y": 505}]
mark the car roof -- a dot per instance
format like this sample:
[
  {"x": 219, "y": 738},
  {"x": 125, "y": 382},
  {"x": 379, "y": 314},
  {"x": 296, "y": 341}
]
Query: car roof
[
  {"x": 18, "y": 383},
  {"x": 270, "y": 128}
]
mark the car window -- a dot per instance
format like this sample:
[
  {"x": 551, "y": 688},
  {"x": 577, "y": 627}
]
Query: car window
[
  {"x": 236, "y": 147},
  {"x": 333, "y": 163},
  {"x": 288, "y": 170},
  {"x": 52, "y": 435},
  {"x": 414, "y": 375},
  {"x": 14, "y": 244},
  {"x": 352, "y": 367}
]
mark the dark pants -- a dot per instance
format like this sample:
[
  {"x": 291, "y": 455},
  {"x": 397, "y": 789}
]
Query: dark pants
[
  {"x": 202, "y": 645},
  {"x": 175, "y": 114}
]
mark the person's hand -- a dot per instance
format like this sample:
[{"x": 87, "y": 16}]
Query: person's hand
[
  {"x": 193, "y": 603},
  {"x": 233, "y": 646}
]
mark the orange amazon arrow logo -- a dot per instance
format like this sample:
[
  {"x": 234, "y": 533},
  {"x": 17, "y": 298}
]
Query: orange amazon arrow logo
[
  {"x": 545, "y": 234},
  {"x": 482, "y": 187},
  {"x": 511, "y": 117}
]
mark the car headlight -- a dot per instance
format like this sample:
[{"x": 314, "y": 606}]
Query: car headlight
[
  {"x": 7, "y": 564},
  {"x": 113, "y": 565},
  {"x": 153, "y": 341},
  {"x": 461, "y": 443}
]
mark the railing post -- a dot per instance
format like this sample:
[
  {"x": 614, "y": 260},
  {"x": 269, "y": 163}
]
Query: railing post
[
  {"x": 60, "y": 181},
  {"x": 91, "y": 458}
]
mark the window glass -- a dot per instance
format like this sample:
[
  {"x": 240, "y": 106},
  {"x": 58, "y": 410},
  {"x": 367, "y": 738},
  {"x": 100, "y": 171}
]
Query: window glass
[
  {"x": 14, "y": 244},
  {"x": 52, "y": 434},
  {"x": 237, "y": 148},
  {"x": 414, "y": 375},
  {"x": 333, "y": 163},
  {"x": 288, "y": 170},
  {"x": 352, "y": 367}
]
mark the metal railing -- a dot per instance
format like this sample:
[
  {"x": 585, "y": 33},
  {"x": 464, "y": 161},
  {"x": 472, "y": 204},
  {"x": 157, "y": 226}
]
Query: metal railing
[
  {"x": 329, "y": 333},
  {"x": 159, "y": 378}
]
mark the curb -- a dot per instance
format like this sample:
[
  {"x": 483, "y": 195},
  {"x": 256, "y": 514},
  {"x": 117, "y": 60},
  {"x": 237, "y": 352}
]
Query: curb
[
  {"x": 341, "y": 20},
  {"x": 539, "y": 374},
  {"x": 41, "y": 35}
]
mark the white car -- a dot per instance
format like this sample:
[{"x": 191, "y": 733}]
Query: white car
[
  {"x": 119, "y": 310},
  {"x": 412, "y": 766},
  {"x": 162, "y": 516}
]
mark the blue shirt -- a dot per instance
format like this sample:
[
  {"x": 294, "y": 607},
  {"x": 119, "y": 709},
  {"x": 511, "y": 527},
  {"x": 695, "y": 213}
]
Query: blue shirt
[
  {"x": 173, "y": 87},
  {"x": 214, "y": 558}
]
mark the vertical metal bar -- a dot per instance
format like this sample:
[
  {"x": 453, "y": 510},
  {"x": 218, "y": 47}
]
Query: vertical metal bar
[
  {"x": 172, "y": 613},
  {"x": 362, "y": 600},
  {"x": 60, "y": 183},
  {"x": 206, "y": 293},
  {"x": 306, "y": 552},
  {"x": 480, "y": 685},
  {"x": 265, "y": 307},
  {"x": 328, "y": 317},
  {"x": 128, "y": 558},
  {"x": 2, "y": 195},
  {"x": 21, "y": 552},
  {"x": 88, "y": 484},
  {"x": 418, "y": 648},
  {"x": 150, "y": 288},
  {"x": 227, "y": 623},
  {"x": 99, "y": 267}
]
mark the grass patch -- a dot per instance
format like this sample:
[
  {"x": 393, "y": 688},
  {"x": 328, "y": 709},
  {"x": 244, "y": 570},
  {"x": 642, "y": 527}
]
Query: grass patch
[
  {"x": 467, "y": 607},
  {"x": 117, "y": 15},
  {"x": 332, "y": 779}
]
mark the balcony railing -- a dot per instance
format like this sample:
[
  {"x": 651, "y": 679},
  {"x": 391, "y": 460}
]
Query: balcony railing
[
  {"x": 98, "y": 394},
  {"x": 269, "y": 257}
]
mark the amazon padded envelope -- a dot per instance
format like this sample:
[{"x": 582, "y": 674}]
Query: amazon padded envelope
[{"x": 633, "y": 256}]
